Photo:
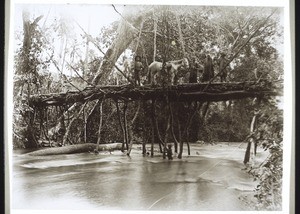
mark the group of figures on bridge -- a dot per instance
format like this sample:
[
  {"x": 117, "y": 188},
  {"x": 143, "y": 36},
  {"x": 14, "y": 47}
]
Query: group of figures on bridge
[{"x": 177, "y": 71}]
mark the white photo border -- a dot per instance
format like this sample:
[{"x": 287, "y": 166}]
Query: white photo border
[{"x": 289, "y": 120}]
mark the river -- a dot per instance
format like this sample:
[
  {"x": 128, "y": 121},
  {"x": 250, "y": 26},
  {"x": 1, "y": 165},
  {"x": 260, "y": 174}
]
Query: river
[{"x": 211, "y": 179}]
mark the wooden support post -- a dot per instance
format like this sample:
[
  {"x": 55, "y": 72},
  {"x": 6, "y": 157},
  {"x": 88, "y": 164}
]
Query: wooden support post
[
  {"x": 172, "y": 129},
  {"x": 144, "y": 151},
  {"x": 125, "y": 124},
  {"x": 161, "y": 142},
  {"x": 85, "y": 126},
  {"x": 130, "y": 132},
  {"x": 179, "y": 135},
  {"x": 61, "y": 129},
  {"x": 166, "y": 138},
  {"x": 68, "y": 115},
  {"x": 47, "y": 127},
  {"x": 100, "y": 125},
  {"x": 65, "y": 138},
  {"x": 42, "y": 127},
  {"x": 42, "y": 123},
  {"x": 31, "y": 128},
  {"x": 180, "y": 140},
  {"x": 187, "y": 133},
  {"x": 145, "y": 139},
  {"x": 152, "y": 140},
  {"x": 153, "y": 127},
  {"x": 121, "y": 125},
  {"x": 188, "y": 143},
  {"x": 88, "y": 116}
]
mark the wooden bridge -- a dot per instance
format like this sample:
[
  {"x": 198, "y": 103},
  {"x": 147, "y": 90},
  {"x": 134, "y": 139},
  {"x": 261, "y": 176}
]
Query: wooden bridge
[{"x": 200, "y": 92}]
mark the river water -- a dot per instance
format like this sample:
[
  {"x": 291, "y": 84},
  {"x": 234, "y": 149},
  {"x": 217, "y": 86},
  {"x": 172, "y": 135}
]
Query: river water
[{"x": 212, "y": 178}]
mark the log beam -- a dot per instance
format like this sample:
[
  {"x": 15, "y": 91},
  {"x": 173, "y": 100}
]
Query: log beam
[{"x": 185, "y": 92}]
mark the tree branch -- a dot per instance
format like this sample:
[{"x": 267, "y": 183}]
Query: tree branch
[{"x": 238, "y": 51}]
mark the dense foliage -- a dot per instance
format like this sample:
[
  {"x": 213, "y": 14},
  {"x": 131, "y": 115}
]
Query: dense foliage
[{"x": 269, "y": 135}]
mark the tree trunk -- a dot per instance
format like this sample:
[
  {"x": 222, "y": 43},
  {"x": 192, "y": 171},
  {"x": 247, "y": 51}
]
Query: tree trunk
[
  {"x": 154, "y": 39},
  {"x": 251, "y": 140},
  {"x": 180, "y": 35},
  {"x": 27, "y": 72},
  {"x": 247, "y": 153},
  {"x": 125, "y": 35}
]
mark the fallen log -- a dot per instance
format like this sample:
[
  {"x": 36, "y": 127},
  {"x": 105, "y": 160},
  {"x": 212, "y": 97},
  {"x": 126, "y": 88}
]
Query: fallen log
[{"x": 77, "y": 148}]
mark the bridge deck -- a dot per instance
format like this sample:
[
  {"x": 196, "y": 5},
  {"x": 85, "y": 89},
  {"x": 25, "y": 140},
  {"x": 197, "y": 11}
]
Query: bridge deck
[{"x": 176, "y": 93}]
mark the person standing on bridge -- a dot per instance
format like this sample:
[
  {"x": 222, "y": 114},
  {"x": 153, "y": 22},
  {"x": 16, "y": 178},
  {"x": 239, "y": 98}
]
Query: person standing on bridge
[
  {"x": 208, "y": 71},
  {"x": 138, "y": 67},
  {"x": 222, "y": 69},
  {"x": 193, "y": 71}
]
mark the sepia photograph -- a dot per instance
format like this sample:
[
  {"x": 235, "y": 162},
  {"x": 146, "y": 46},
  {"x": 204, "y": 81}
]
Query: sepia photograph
[{"x": 148, "y": 107}]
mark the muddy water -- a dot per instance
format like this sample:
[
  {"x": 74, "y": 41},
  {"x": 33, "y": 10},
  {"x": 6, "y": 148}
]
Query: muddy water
[{"x": 210, "y": 179}]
